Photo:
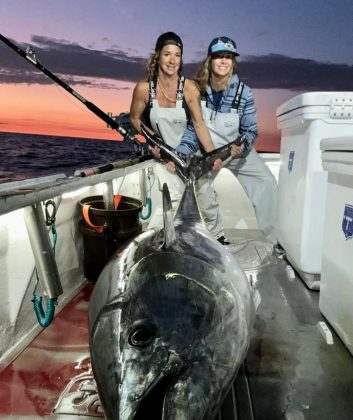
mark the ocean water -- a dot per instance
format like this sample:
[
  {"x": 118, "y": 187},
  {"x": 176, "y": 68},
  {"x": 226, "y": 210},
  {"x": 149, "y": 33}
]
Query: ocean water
[{"x": 25, "y": 156}]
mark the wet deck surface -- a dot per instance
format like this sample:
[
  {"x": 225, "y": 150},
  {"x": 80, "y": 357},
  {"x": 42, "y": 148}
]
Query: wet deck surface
[{"x": 289, "y": 373}]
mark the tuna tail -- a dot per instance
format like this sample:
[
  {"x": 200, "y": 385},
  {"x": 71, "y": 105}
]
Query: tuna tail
[
  {"x": 201, "y": 165},
  {"x": 190, "y": 167},
  {"x": 169, "y": 229}
]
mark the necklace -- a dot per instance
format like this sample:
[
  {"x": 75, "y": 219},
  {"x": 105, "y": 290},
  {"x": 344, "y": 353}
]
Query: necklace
[{"x": 164, "y": 94}]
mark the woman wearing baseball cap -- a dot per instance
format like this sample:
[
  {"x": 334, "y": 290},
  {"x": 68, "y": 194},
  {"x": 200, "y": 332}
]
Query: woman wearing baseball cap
[
  {"x": 165, "y": 101},
  {"x": 229, "y": 110}
]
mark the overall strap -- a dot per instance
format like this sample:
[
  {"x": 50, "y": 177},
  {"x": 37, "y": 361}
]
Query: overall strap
[
  {"x": 152, "y": 92},
  {"x": 238, "y": 93},
  {"x": 180, "y": 89}
]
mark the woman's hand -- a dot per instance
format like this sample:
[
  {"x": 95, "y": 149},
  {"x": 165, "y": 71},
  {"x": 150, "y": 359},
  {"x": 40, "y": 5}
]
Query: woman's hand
[
  {"x": 217, "y": 165},
  {"x": 156, "y": 152},
  {"x": 236, "y": 151},
  {"x": 170, "y": 166}
]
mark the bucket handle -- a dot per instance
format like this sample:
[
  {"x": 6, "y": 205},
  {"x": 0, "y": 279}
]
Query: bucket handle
[
  {"x": 117, "y": 199},
  {"x": 85, "y": 213}
]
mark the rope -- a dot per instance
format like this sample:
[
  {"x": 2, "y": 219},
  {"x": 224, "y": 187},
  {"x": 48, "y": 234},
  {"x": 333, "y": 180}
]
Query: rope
[
  {"x": 149, "y": 210},
  {"x": 44, "y": 318},
  {"x": 149, "y": 201}
]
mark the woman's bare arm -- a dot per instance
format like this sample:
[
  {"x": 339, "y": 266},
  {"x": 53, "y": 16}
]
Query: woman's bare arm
[{"x": 138, "y": 104}]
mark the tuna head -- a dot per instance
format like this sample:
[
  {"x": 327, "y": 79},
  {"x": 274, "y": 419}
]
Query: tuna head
[{"x": 169, "y": 346}]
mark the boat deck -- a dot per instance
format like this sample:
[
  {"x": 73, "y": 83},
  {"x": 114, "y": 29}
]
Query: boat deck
[{"x": 290, "y": 371}]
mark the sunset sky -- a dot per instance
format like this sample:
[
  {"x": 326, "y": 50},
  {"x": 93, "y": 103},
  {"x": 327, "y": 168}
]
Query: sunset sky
[{"x": 100, "y": 49}]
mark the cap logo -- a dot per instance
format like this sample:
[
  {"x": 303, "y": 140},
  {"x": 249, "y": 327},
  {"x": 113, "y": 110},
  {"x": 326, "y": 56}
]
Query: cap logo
[
  {"x": 222, "y": 44},
  {"x": 227, "y": 44}
]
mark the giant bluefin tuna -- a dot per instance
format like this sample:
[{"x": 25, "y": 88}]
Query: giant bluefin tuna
[{"x": 170, "y": 317}]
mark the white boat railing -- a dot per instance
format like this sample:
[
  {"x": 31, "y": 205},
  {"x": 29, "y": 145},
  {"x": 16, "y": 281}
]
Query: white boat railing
[{"x": 15, "y": 195}]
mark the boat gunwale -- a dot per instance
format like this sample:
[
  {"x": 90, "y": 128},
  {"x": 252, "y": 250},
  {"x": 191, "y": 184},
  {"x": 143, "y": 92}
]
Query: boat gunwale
[{"x": 45, "y": 188}]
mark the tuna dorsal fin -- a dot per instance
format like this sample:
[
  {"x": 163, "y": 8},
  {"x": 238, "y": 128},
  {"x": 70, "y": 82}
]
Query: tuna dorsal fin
[{"x": 168, "y": 219}]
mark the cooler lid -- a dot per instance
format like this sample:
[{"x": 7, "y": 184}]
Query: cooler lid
[
  {"x": 340, "y": 144},
  {"x": 324, "y": 99}
]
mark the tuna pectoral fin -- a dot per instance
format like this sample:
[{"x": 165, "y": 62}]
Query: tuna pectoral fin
[{"x": 168, "y": 219}]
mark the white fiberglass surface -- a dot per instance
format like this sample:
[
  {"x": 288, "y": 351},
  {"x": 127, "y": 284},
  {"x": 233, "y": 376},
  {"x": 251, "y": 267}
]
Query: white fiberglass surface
[{"x": 17, "y": 264}]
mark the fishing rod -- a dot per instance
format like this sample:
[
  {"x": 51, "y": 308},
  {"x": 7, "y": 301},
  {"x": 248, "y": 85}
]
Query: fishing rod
[
  {"x": 30, "y": 56},
  {"x": 153, "y": 140}
]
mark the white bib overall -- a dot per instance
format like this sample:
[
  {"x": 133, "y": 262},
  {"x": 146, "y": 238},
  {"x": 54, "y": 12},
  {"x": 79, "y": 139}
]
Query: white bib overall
[
  {"x": 170, "y": 124},
  {"x": 224, "y": 127}
]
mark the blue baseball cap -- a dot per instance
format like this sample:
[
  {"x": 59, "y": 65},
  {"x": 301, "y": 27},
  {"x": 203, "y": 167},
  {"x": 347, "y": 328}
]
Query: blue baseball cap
[{"x": 222, "y": 44}]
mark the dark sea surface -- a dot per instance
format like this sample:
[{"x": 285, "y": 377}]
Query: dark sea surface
[{"x": 24, "y": 156}]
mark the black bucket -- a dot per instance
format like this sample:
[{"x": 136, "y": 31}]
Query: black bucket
[
  {"x": 116, "y": 227},
  {"x": 123, "y": 220}
]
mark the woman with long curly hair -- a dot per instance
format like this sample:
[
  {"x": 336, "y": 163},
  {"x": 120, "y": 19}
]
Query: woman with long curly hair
[{"x": 165, "y": 101}]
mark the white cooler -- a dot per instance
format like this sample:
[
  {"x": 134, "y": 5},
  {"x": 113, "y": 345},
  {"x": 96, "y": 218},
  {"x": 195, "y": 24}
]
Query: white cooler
[
  {"x": 304, "y": 121},
  {"x": 336, "y": 291}
]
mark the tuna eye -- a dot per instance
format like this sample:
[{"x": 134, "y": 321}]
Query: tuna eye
[{"x": 141, "y": 335}]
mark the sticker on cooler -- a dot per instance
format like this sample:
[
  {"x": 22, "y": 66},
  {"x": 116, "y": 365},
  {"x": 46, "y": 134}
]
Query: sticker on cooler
[{"x": 347, "y": 222}]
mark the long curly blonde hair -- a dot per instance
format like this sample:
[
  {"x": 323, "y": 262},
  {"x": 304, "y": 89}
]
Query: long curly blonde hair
[{"x": 204, "y": 74}]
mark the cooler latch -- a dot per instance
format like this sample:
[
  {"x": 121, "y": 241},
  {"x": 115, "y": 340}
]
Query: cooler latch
[{"x": 341, "y": 108}]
